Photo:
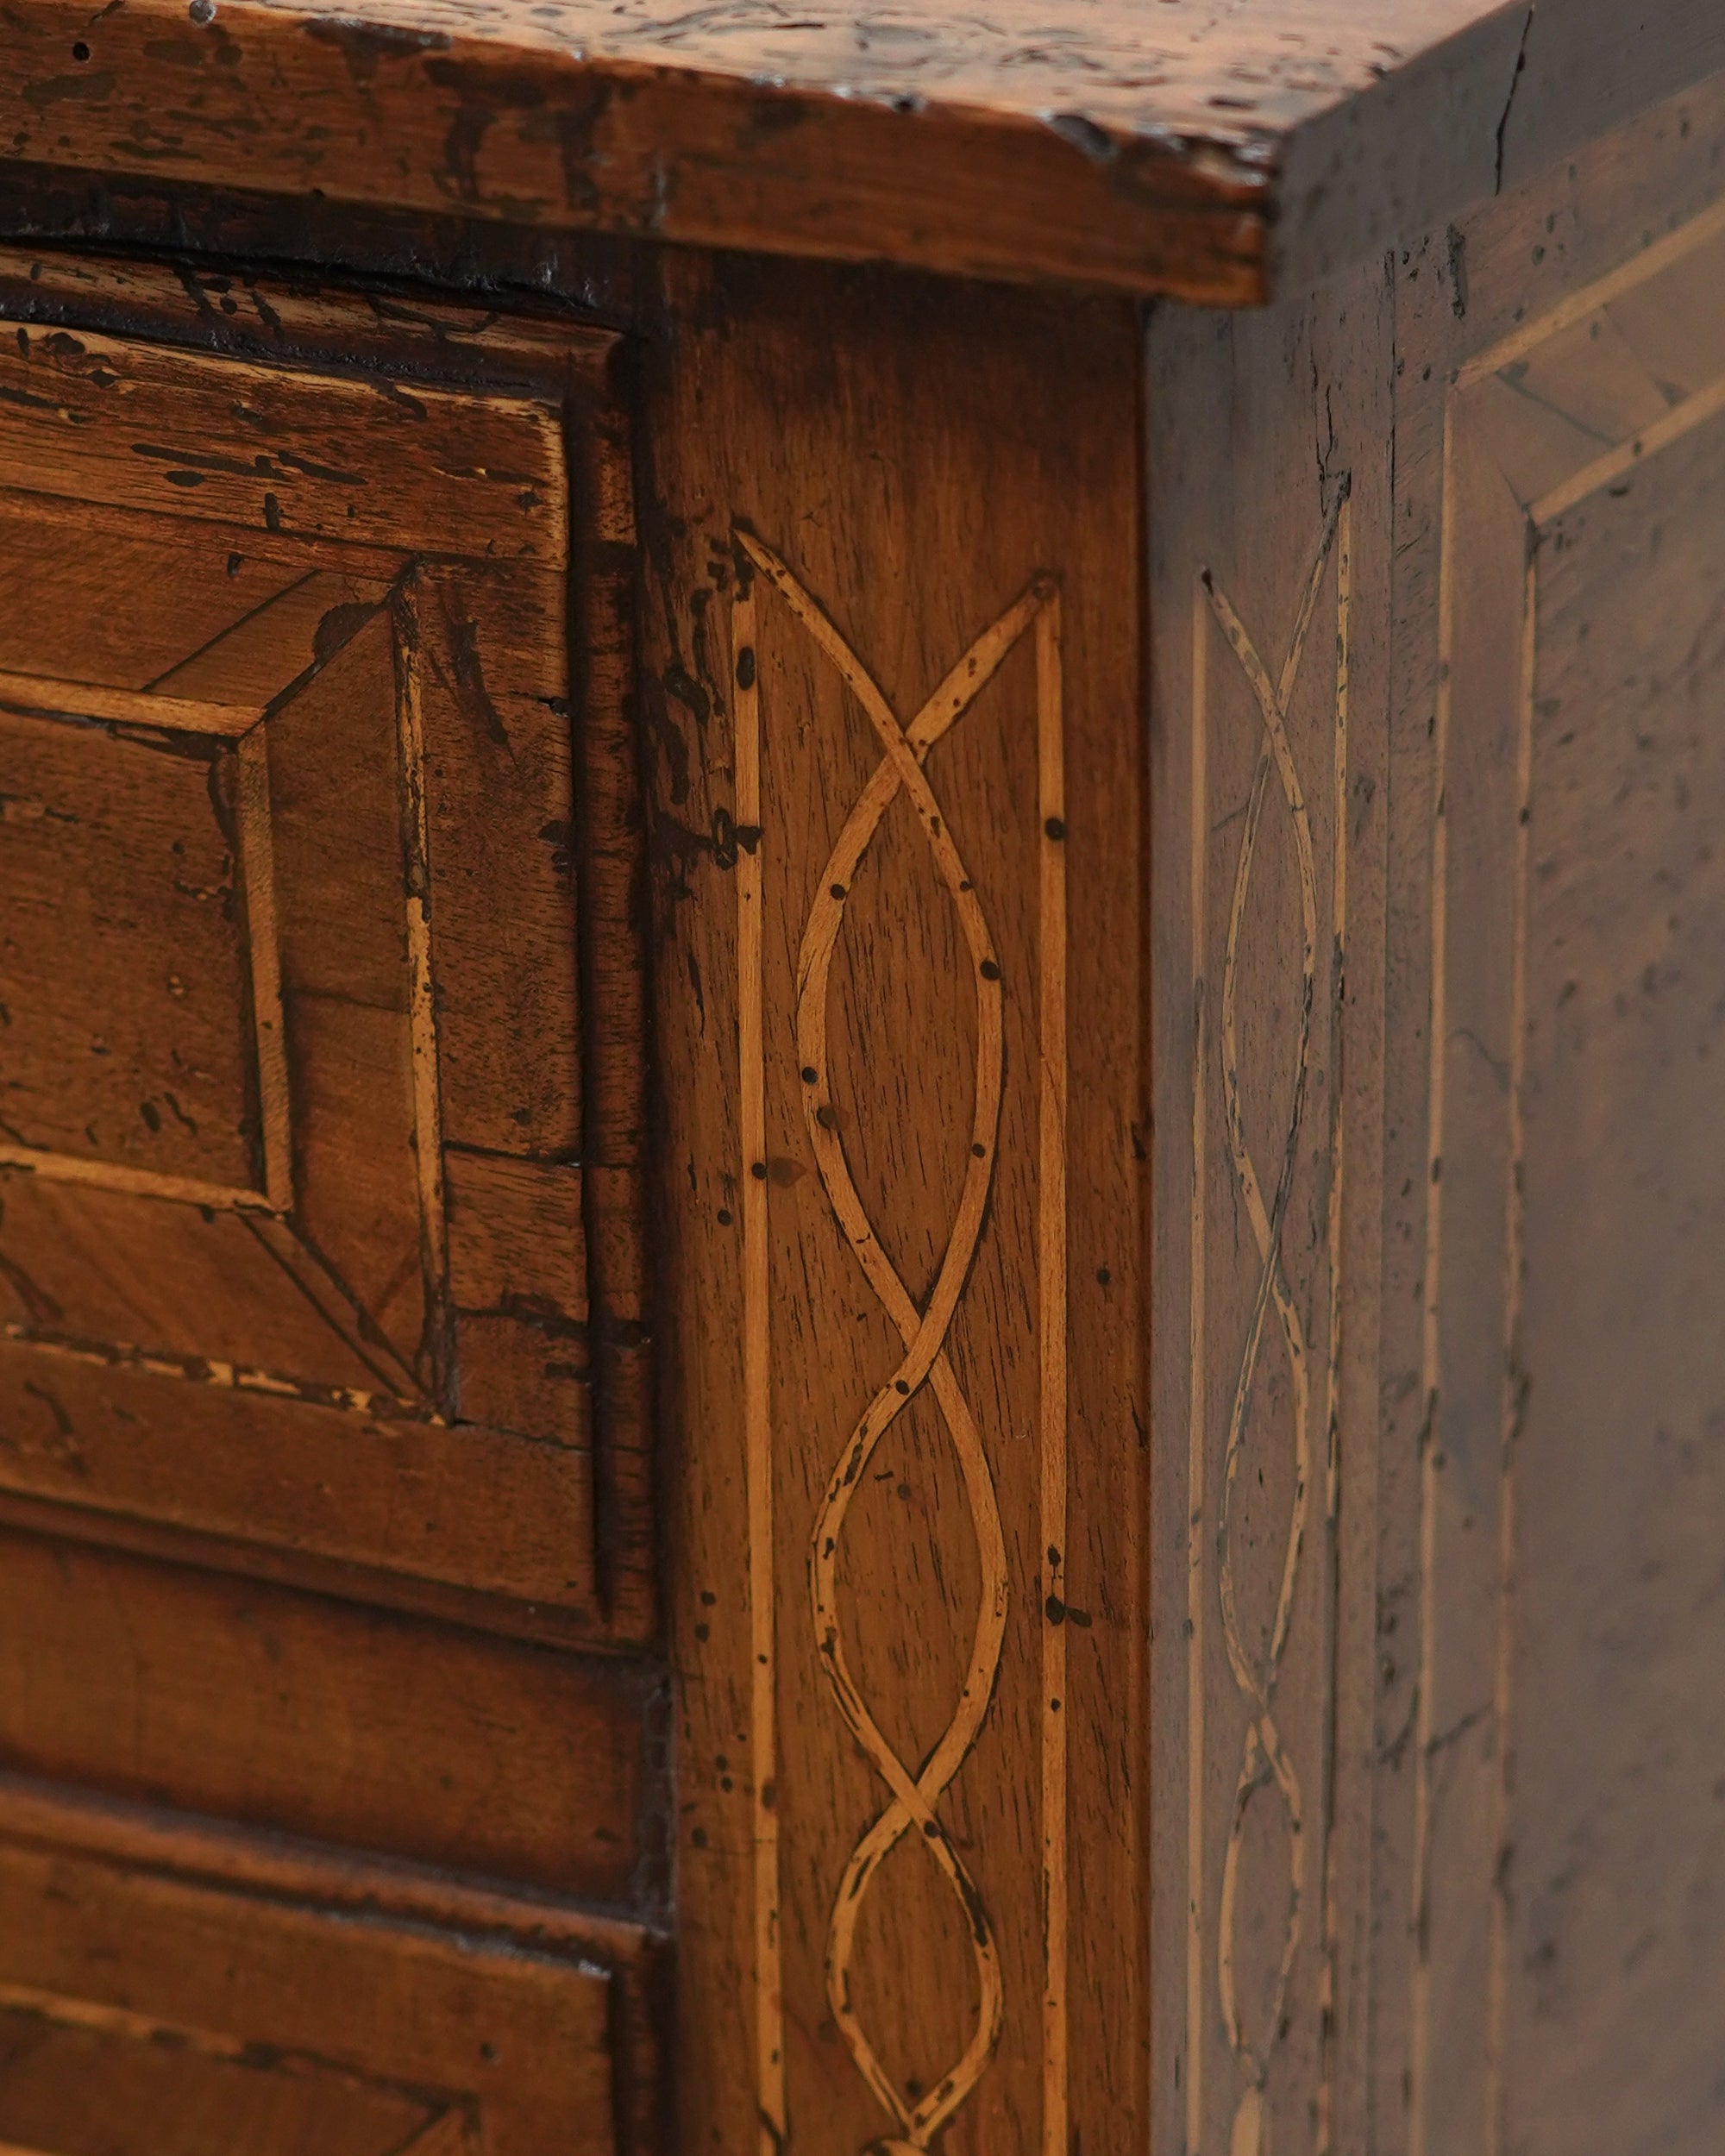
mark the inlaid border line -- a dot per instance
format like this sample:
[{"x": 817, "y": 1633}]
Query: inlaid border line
[
  {"x": 1420, "y": 1979},
  {"x": 415, "y": 853},
  {"x": 1514, "y": 1224},
  {"x": 1639, "y": 269},
  {"x": 770, "y": 2007},
  {"x": 1196, "y": 1538},
  {"x": 1694, "y": 412},
  {"x": 1210, "y": 602},
  {"x": 1330, "y": 1915},
  {"x": 1051, "y": 1265},
  {"x": 139, "y": 1182},
  {"x": 257, "y": 870}
]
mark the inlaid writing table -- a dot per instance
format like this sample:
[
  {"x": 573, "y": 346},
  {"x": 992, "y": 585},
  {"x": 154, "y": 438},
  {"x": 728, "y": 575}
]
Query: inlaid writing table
[{"x": 861, "y": 1026}]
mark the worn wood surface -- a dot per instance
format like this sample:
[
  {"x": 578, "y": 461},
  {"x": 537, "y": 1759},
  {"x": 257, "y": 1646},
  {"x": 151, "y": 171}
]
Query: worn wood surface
[
  {"x": 1288, "y": 1724},
  {"x": 1196, "y": 147},
  {"x": 903, "y": 1162},
  {"x": 1515, "y": 1514}
]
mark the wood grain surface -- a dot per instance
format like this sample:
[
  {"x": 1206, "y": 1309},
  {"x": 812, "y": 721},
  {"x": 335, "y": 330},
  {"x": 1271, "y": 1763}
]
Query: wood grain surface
[
  {"x": 138, "y": 1983},
  {"x": 1198, "y": 147},
  {"x": 280, "y": 1710},
  {"x": 892, "y": 624}
]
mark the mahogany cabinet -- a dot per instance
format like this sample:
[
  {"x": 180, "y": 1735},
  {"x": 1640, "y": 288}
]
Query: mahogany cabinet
[{"x": 862, "y": 1079}]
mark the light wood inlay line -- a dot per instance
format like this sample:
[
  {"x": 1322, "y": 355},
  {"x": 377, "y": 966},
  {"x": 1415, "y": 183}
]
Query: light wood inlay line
[
  {"x": 1513, "y": 1380},
  {"x": 1694, "y": 412},
  {"x": 1420, "y": 1978},
  {"x": 257, "y": 868},
  {"x": 416, "y": 848},
  {"x": 34, "y": 694},
  {"x": 769, "y": 2012},
  {"x": 1197, "y": 1535},
  {"x": 920, "y": 2119},
  {"x": 1652, "y": 261},
  {"x": 1329, "y": 2003},
  {"x": 1052, "y": 1299},
  {"x": 100, "y": 1174},
  {"x": 1266, "y": 1761}
]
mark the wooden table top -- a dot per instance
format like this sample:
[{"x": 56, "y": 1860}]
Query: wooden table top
[{"x": 1206, "y": 148}]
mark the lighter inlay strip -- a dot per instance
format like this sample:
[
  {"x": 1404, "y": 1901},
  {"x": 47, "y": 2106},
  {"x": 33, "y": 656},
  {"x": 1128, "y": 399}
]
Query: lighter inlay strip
[
  {"x": 1329, "y": 2005},
  {"x": 1197, "y": 1537},
  {"x": 913, "y": 1797},
  {"x": 415, "y": 847},
  {"x": 36, "y": 695},
  {"x": 102, "y": 1175},
  {"x": 257, "y": 869},
  {"x": 1052, "y": 1297}
]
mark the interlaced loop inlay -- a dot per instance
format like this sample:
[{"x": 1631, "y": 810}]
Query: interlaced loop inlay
[
  {"x": 1266, "y": 1762},
  {"x": 913, "y": 1796}
]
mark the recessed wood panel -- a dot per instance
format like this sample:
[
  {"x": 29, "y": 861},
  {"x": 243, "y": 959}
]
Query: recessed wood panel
[{"x": 289, "y": 878}]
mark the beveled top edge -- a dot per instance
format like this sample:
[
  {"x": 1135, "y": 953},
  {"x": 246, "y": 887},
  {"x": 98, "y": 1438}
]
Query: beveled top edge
[{"x": 1208, "y": 149}]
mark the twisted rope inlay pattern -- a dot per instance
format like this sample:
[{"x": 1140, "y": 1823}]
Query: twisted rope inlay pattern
[
  {"x": 1266, "y": 1762},
  {"x": 912, "y": 1797}
]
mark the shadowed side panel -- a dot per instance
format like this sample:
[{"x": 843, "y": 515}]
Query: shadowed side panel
[{"x": 1555, "y": 1846}]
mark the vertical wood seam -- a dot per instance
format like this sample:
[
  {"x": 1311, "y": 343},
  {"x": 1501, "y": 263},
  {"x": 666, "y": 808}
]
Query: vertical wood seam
[{"x": 612, "y": 1002}]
